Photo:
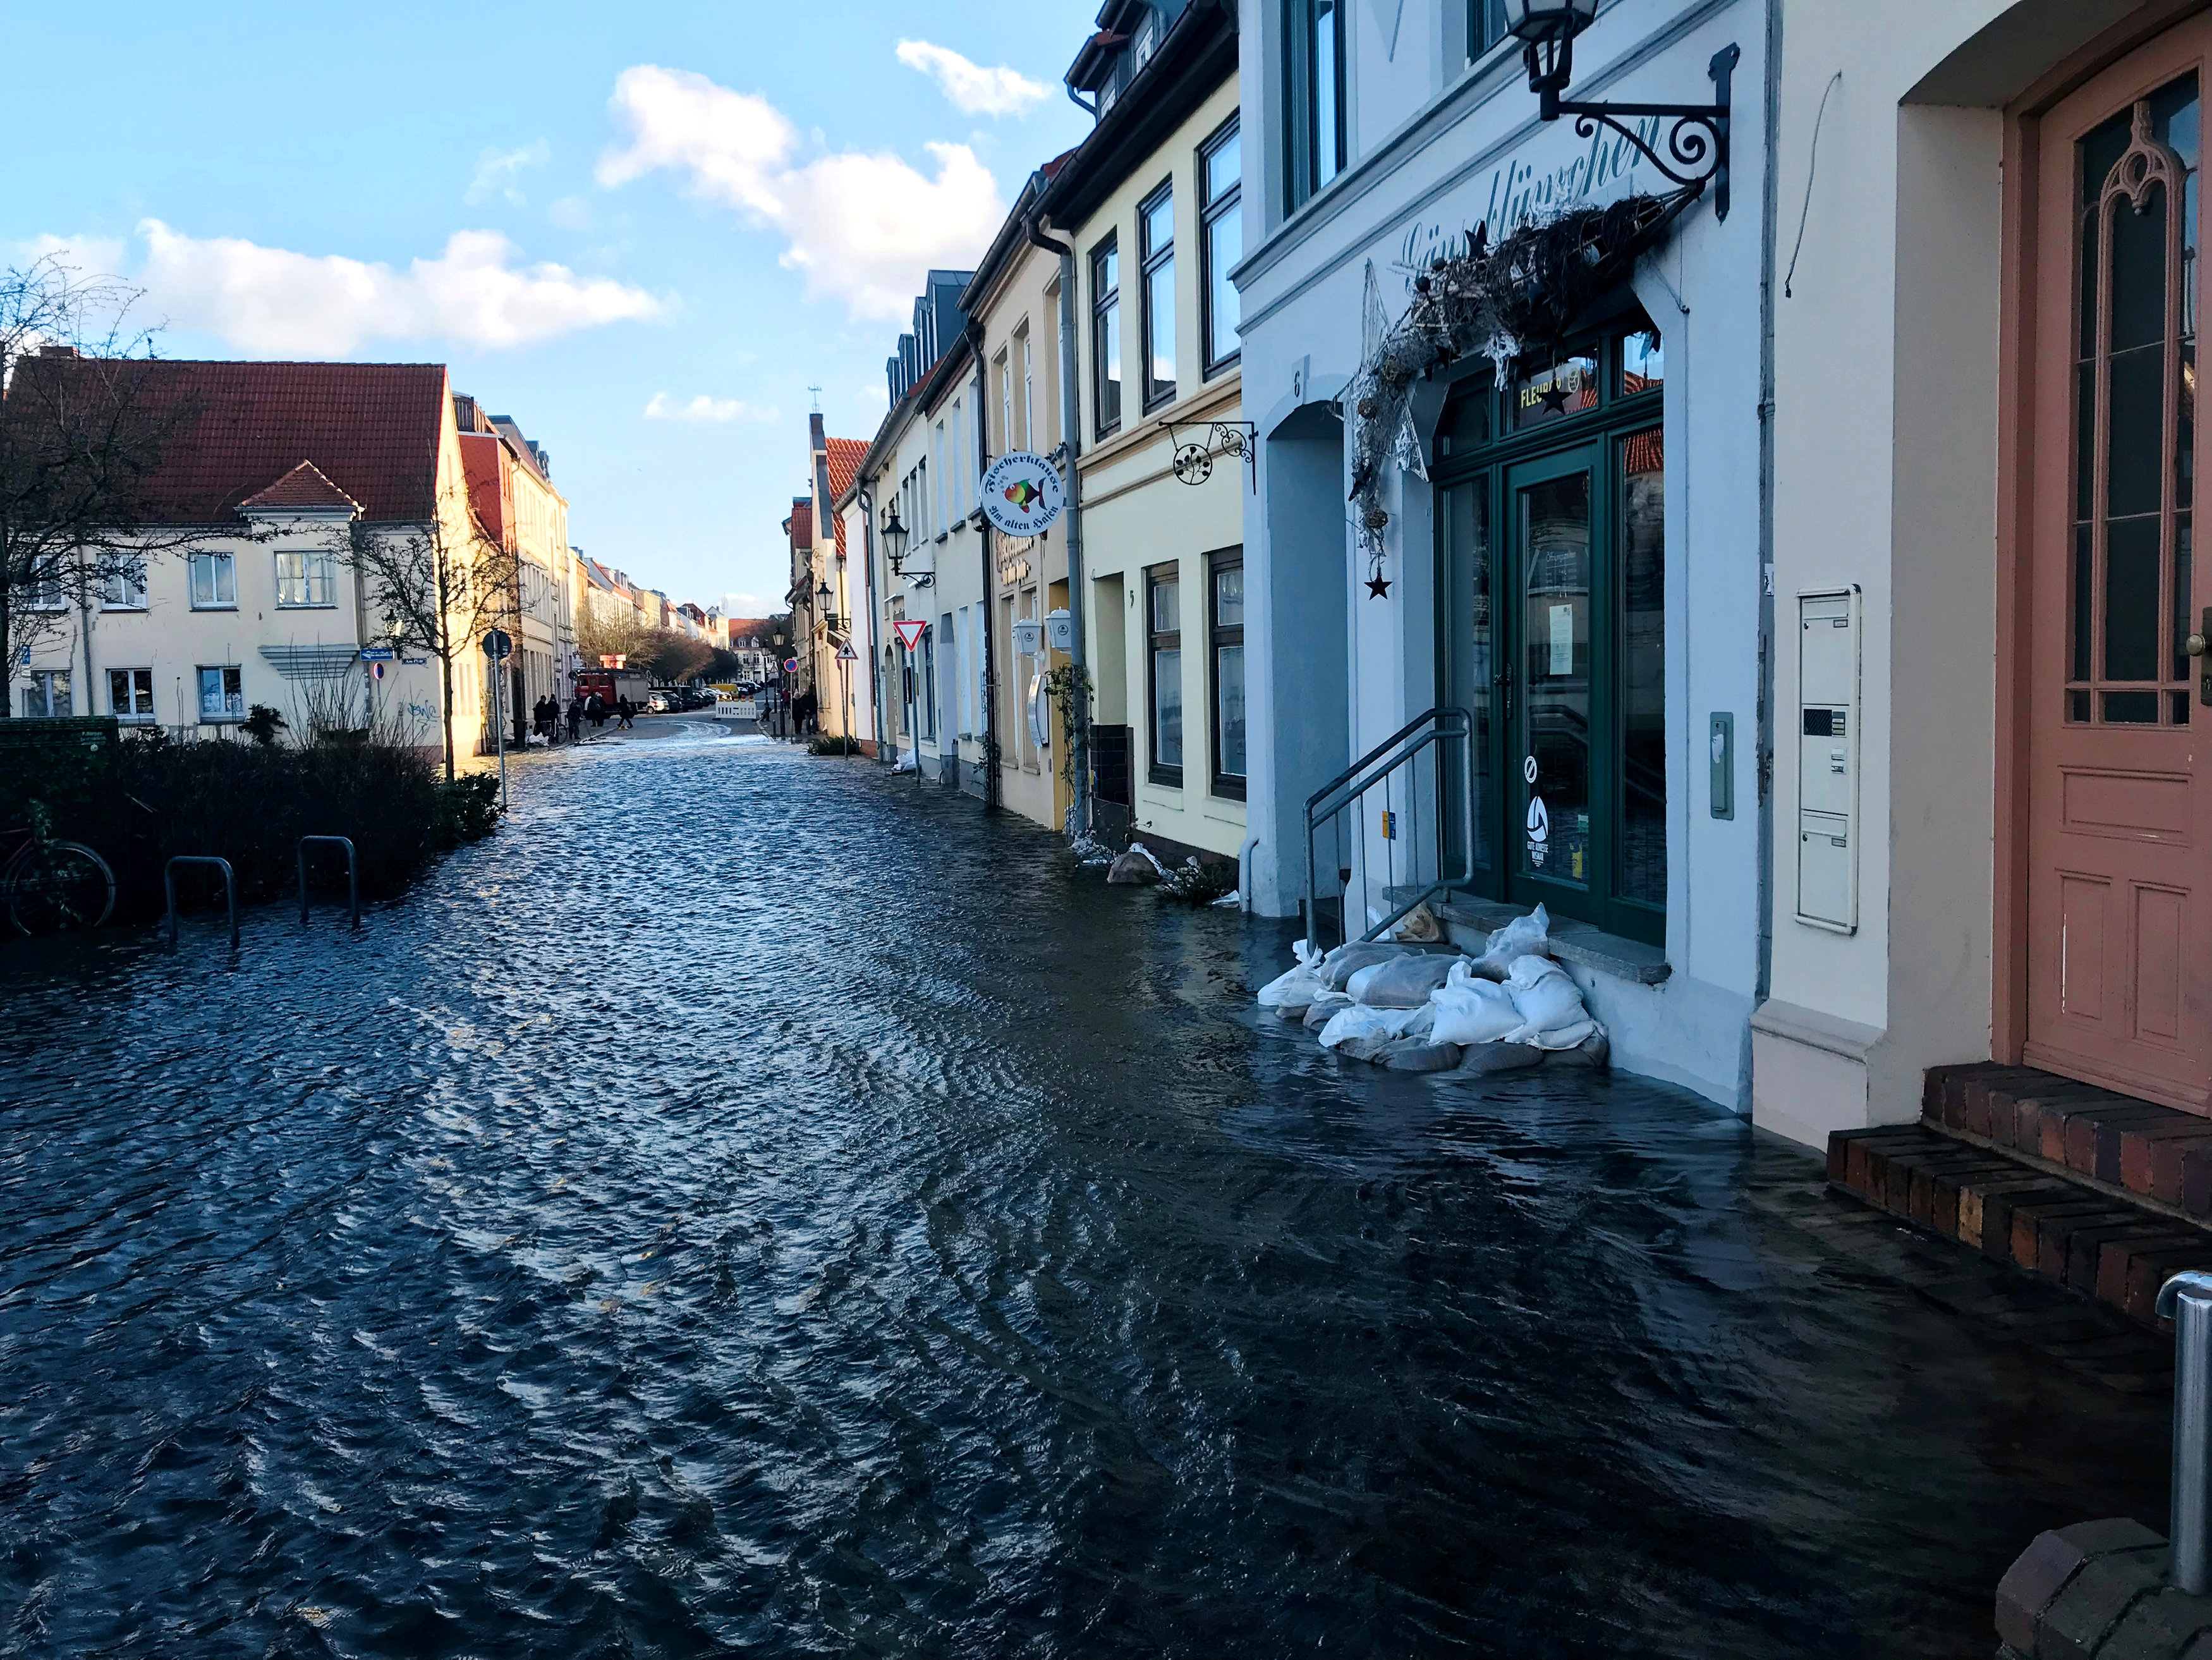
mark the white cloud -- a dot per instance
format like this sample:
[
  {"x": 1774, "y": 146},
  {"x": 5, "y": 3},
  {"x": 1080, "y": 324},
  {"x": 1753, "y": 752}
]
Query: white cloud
[
  {"x": 973, "y": 89},
  {"x": 498, "y": 170},
  {"x": 273, "y": 301},
  {"x": 863, "y": 227},
  {"x": 95, "y": 256},
  {"x": 661, "y": 407}
]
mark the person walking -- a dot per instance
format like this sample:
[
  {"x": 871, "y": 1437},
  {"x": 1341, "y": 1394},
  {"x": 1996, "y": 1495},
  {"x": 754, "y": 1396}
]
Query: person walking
[
  {"x": 624, "y": 710},
  {"x": 597, "y": 709},
  {"x": 576, "y": 717}
]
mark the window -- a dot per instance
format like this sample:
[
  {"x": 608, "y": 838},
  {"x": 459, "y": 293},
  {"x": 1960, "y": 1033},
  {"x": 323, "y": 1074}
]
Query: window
[
  {"x": 1029, "y": 399},
  {"x": 937, "y": 466},
  {"x": 48, "y": 693},
  {"x": 1164, "y": 613},
  {"x": 1106, "y": 335},
  {"x": 1568, "y": 387},
  {"x": 928, "y": 696},
  {"x": 306, "y": 577},
  {"x": 1643, "y": 363},
  {"x": 1642, "y": 584},
  {"x": 1485, "y": 25},
  {"x": 214, "y": 581},
  {"x": 130, "y": 695},
  {"x": 1156, "y": 241},
  {"x": 222, "y": 694},
  {"x": 122, "y": 583},
  {"x": 1226, "y": 595},
  {"x": 1006, "y": 403},
  {"x": 1220, "y": 242},
  {"x": 1313, "y": 62},
  {"x": 46, "y": 587}
]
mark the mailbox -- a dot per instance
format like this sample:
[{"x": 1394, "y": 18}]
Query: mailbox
[{"x": 1828, "y": 735}]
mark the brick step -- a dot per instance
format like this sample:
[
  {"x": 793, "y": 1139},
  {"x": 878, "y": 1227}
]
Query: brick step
[
  {"x": 2153, "y": 1153},
  {"x": 2097, "y": 1240}
]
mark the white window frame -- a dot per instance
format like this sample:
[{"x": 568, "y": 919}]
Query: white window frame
[
  {"x": 137, "y": 682},
  {"x": 937, "y": 456},
  {"x": 39, "y": 700},
  {"x": 1029, "y": 397},
  {"x": 317, "y": 575},
  {"x": 122, "y": 582},
  {"x": 223, "y": 568},
  {"x": 45, "y": 593},
  {"x": 234, "y": 710}
]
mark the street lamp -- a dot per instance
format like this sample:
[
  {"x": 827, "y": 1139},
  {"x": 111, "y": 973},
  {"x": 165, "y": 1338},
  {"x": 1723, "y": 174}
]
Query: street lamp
[
  {"x": 1697, "y": 144},
  {"x": 894, "y": 534}
]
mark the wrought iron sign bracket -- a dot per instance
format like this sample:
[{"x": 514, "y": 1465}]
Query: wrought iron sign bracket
[
  {"x": 1696, "y": 145},
  {"x": 1194, "y": 461}
]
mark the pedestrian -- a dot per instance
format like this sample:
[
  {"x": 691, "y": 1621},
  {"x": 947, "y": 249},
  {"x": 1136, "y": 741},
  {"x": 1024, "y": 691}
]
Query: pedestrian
[
  {"x": 576, "y": 717},
  {"x": 538, "y": 716},
  {"x": 624, "y": 710},
  {"x": 597, "y": 708}
]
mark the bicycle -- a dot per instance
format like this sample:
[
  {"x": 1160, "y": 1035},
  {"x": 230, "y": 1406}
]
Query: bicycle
[{"x": 48, "y": 886}]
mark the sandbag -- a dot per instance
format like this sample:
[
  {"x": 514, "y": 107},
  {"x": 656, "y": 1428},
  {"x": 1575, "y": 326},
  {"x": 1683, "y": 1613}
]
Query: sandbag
[
  {"x": 1595, "y": 1050},
  {"x": 1544, "y": 997},
  {"x": 1469, "y": 1010},
  {"x": 1323, "y": 1007},
  {"x": 1566, "y": 1038},
  {"x": 1299, "y": 985},
  {"x": 1355, "y": 1021},
  {"x": 1340, "y": 965},
  {"x": 1414, "y": 1054},
  {"x": 1405, "y": 982},
  {"x": 1499, "y": 1057},
  {"x": 1524, "y": 936}
]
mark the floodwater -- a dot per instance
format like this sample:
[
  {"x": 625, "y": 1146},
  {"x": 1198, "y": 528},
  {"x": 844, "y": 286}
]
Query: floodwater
[{"x": 755, "y": 1205}]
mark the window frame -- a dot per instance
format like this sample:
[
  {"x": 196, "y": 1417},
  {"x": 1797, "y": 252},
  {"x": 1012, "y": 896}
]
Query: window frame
[
  {"x": 126, "y": 572},
  {"x": 44, "y": 591},
  {"x": 42, "y": 682},
  {"x": 214, "y": 561},
  {"x": 1229, "y": 786},
  {"x": 1485, "y": 28},
  {"x": 1152, "y": 262},
  {"x": 318, "y": 567},
  {"x": 133, "y": 716},
  {"x": 1106, "y": 336},
  {"x": 1304, "y": 175},
  {"x": 1212, "y": 211},
  {"x": 200, "y": 671},
  {"x": 1156, "y": 640}
]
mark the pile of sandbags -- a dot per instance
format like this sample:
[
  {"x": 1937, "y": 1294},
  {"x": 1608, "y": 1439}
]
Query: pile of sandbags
[{"x": 1414, "y": 1007}]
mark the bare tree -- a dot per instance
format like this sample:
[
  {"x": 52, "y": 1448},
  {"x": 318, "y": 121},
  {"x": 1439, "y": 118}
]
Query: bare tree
[
  {"x": 81, "y": 431},
  {"x": 599, "y": 635},
  {"x": 439, "y": 588}
]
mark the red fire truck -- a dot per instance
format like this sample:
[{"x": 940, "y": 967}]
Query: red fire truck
[{"x": 611, "y": 686}]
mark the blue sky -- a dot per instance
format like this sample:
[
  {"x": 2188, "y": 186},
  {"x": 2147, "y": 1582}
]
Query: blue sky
[{"x": 590, "y": 212}]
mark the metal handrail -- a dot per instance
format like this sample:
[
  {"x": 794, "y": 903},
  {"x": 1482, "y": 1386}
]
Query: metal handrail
[
  {"x": 353, "y": 874},
  {"x": 229, "y": 891},
  {"x": 2186, "y": 1299},
  {"x": 1447, "y": 731}
]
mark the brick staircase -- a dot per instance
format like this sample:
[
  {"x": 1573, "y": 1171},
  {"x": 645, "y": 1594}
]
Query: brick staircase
[{"x": 2104, "y": 1194}]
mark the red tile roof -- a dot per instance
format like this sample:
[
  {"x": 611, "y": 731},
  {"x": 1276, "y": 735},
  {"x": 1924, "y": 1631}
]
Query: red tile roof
[
  {"x": 304, "y": 486},
  {"x": 846, "y": 455},
  {"x": 802, "y": 523},
  {"x": 371, "y": 428}
]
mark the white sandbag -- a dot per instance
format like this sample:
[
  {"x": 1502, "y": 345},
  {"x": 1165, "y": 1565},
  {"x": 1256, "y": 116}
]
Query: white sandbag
[
  {"x": 1524, "y": 936},
  {"x": 1403, "y": 984},
  {"x": 1544, "y": 997},
  {"x": 1355, "y": 1021},
  {"x": 1323, "y": 1007},
  {"x": 1299, "y": 985},
  {"x": 1566, "y": 1038},
  {"x": 1470, "y": 1009},
  {"x": 1340, "y": 965}
]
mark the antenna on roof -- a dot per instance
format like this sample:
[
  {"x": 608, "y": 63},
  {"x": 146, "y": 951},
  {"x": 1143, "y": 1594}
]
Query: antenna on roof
[{"x": 816, "y": 391}]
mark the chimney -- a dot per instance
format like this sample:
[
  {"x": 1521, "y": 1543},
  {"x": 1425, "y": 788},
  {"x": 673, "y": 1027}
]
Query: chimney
[{"x": 59, "y": 351}]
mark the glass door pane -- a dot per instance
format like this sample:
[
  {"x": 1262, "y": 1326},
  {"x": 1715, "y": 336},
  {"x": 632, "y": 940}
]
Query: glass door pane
[
  {"x": 1553, "y": 727},
  {"x": 1467, "y": 525},
  {"x": 1643, "y": 717}
]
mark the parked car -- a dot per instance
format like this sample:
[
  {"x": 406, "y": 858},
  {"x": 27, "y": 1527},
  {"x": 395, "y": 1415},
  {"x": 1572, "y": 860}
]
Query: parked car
[{"x": 662, "y": 701}]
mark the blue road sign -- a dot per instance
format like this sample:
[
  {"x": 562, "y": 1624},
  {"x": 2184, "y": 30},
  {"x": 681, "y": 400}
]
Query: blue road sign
[{"x": 498, "y": 645}]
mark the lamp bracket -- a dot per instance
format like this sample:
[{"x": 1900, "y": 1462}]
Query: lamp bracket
[{"x": 1696, "y": 145}]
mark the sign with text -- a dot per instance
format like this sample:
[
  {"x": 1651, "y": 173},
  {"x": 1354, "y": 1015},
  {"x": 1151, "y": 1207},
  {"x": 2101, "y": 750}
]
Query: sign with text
[
  {"x": 613, "y": 659},
  {"x": 378, "y": 654},
  {"x": 1022, "y": 493},
  {"x": 910, "y": 633}
]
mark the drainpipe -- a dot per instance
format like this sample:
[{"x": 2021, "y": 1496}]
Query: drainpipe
[
  {"x": 993, "y": 794},
  {"x": 1770, "y": 211},
  {"x": 1070, "y": 414},
  {"x": 868, "y": 502}
]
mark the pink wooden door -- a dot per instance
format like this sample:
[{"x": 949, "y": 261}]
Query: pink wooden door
[{"x": 2119, "y": 901}]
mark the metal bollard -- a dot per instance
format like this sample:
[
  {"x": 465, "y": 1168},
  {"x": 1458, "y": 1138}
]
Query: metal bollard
[
  {"x": 229, "y": 891},
  {"x": 2186, "y": 1299},
  {"x": 353, "y": 876}
]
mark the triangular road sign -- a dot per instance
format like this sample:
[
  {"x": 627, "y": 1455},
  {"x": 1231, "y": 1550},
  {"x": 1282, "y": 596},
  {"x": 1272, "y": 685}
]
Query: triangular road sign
[
  {"x": 846, "y": 654},
  {"x": 910, "y": 633}
]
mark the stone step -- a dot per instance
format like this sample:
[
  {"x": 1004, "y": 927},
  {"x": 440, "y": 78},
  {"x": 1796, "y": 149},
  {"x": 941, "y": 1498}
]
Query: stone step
[
  {"x": 2096, "y": 1240},
  {"x": 2156, "y": 1154}
]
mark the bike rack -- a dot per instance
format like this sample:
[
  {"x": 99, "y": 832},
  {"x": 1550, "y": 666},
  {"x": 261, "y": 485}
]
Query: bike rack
[
  {"x": 229, "y": 891},
  {"x": 353, "y": 874}
]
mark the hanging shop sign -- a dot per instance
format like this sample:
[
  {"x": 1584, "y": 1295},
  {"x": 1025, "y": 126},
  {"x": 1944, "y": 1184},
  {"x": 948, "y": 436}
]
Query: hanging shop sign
[{"x": 1021, "y": 494}]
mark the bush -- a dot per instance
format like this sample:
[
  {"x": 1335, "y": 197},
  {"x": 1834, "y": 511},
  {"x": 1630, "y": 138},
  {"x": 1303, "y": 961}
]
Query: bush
[
  {"x": 467, "y": 809},
  {"x": 1200, "y": 885},
  {"x": 823, "y": 744}
]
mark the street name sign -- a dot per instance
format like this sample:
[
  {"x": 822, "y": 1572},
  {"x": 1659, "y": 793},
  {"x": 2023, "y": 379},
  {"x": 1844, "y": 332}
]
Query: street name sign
[
  {"x": 378, "y": 654},
  {"x": 910, "y": 633},
  {"x": 1022, "y": 493}
]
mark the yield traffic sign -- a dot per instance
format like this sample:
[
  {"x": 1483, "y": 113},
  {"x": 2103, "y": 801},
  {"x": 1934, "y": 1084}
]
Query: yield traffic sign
[{"x": 910, "y": 633}]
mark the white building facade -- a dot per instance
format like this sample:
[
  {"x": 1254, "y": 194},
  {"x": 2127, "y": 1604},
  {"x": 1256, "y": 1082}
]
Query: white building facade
[{"x": 1566, "y": 563}]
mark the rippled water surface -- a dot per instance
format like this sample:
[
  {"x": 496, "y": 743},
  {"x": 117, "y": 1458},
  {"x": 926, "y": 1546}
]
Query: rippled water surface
[{"x": 752, "y": 1204}]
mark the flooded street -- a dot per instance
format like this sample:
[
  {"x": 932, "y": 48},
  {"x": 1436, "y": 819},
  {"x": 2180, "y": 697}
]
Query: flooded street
[{"x": 753, "y": 1204}]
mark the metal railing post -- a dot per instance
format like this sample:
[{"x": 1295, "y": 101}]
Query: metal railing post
[
  {"x": 229, "y": 891},
  {"x": 2187, "y": 1300},
  {"x": 353, "y": 874}
]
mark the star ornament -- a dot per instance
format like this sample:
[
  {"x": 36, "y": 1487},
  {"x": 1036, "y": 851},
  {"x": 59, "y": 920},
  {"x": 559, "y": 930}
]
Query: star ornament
[
  {"x": 1378, "y": 586},
  {"x": 1554, "y": 397}
]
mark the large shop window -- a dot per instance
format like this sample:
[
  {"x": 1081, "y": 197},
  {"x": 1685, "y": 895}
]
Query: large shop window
[
  {"x": 1552, "y": 539},
  {"x": 1163, "y": 610},
  {"x": 1226, "y": 595},
  {"x": 2136, "y": 437},
  {"x": 1313, "y": 75}
]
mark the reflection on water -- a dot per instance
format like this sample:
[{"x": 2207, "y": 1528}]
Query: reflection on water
[{"x": 755, "y": 1204}]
